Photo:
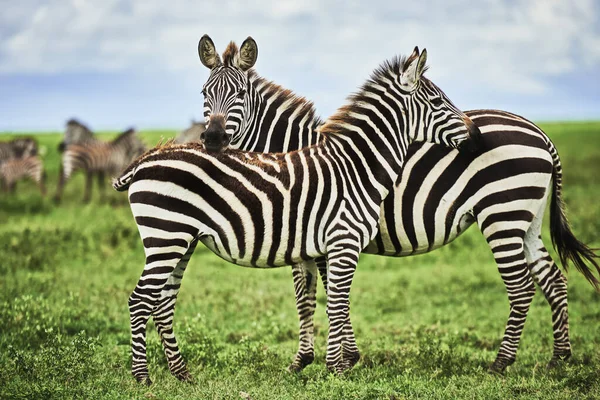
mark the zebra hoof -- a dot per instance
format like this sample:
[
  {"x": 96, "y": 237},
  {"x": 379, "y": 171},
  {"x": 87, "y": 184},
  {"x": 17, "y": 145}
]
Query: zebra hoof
[
  {"x": 144, "y": 380},
  {"x": 499, "y": 366},
  {"x": 351, "y": 359},
  {"x": 185, "y": 376},
  {"x": 300, "y": 362},
  {"x": 558, "y": 360}
]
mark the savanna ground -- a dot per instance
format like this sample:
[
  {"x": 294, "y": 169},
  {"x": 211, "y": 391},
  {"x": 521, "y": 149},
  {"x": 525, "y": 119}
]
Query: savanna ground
[{"x": 427, "y": 326}]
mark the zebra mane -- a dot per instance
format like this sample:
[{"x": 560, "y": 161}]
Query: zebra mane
[
  {"x": 284, "y": 99},
  {"x": 389, "y": 69},
  {"x": 75, "y": 122},
  {"x": 230, "y": 53}
]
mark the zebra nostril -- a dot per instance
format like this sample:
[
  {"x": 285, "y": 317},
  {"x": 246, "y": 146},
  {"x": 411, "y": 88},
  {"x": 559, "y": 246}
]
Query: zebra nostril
[{"x": 202, "y": 136}]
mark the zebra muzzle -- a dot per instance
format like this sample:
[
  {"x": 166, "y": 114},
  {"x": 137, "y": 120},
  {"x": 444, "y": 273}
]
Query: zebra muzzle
[{"x": 214, "y": 138}]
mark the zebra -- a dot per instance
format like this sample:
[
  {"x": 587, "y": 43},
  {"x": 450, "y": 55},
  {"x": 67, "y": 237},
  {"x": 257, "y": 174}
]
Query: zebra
[
  {"x": 440, "y": 194},
  {"x": 11, "y": 155},
  {"x": 270, "y": 210},
  {"x": 18, "y": 148},
  {"x": 193, "y": 133},
  {"x": 15, "y": 169},
  {"x": 100, "y": 158},
  {"x": 77, "y": 133}
]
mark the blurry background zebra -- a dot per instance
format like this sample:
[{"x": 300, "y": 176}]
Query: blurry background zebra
[
  {"x": 191, "y": 134},
  {"x": 19, "y": 159},
  {"x": 95, "y": 157}
]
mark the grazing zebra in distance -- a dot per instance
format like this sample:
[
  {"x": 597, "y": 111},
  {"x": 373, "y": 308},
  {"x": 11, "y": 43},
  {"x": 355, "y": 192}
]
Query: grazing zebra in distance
[
  {"x": 270, "y": 210},
  {"x": 11, "y": 154},
  {"x": 439, "y": 195},
  {"x": 18, "y": 148},
  {"x": 78, "y": 133},
  {"x": 101, "y": 158},
  {"x": 191, "y": 134},
  {"x": 17, "y": 168}
]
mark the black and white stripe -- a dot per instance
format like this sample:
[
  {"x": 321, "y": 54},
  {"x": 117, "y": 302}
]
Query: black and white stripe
[
  {"x": 15, "y": 169},
  {"x": 440, "y": 194},
  {"x": 270, "y": 210},
  {"x": 101, "y": 158}
]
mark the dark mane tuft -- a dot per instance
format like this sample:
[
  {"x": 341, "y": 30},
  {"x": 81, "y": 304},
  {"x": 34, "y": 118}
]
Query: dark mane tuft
[
  {"x": 280, "y": 95},
  {"x": 229, "y": 55},
  {"x": 389, "y": 69}
]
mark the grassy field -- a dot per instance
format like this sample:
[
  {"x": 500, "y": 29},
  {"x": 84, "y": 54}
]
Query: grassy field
[{"x": 427, "y": 326}]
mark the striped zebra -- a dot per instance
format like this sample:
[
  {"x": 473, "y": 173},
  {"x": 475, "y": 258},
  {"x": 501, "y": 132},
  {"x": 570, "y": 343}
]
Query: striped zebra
[
  {"x": 100, "y": 159},
  {"x": 270, "y": 210},
  {"x": 439, "y": 195},
  {"x": 191, "y": 134},
  {"x": 16, "y": 169},
  {"x": 77, "y": 133},
  {"x": 18, "y": 148},
  {"x": 12, "y": 167}
]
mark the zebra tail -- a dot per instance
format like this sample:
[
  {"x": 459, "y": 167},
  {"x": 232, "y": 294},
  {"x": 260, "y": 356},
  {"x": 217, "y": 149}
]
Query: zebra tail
[
  {"x": 569, "y": 248},
  {"x": 122, "y": 183}
]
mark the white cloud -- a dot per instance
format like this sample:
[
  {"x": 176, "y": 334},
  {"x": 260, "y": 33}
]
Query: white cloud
[{"x": 511, "y": 46}]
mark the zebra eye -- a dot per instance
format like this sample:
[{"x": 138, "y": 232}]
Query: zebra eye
[
  {"x": 241, "y": 94},
  {"x": 437, "y": 101}
]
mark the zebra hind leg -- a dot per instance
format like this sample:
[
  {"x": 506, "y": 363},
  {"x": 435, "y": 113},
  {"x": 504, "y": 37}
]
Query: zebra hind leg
[
  {"x": 305, "y": 285},
  {"x": 510, "y": 257},
  {"x": 163, "y": 315},
  {"x": 143, "y": 303},
  {"x": 554, "y": 286}
]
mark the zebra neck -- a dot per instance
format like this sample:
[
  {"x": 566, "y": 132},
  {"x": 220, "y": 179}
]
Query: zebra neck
[
  {"x": 281, "y": 122},
  {"x": 371, "y": 165}
]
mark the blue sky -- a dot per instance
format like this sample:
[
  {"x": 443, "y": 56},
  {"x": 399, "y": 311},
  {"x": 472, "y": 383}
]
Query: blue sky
[{"x": 120, "y": 63}]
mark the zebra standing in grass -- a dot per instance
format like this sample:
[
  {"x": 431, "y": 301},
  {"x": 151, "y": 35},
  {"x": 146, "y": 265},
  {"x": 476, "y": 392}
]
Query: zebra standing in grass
[
  {"x": 18, "y": 148},
  {"x": 15, "y": 169},
  {"x": 273, "y": 210},
  {"x": 191, "y": 134},
  {"x": 440, "y": 194},
  {"x": 18, "y": 159},
  {"x": 101, "y": 158}
]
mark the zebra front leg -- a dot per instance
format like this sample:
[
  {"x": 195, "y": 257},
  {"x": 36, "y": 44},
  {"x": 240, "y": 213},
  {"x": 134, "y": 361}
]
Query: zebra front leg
[
  {"x": 350, "y": 353},
  {"x": 101, "y": 185},
  {"x": 163, "y": 318},
  {"x": 510, "y": 257},
  {"x": 61, "y": 183},
  {"x": 342, "y": 259},
  {"x": 142, "y": 303},
  {"x": 305, "y": 285},
  {"x": 88, "y": 187}
]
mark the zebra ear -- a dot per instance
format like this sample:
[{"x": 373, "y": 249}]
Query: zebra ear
[
  {"x": 208, "y": 53},
  {"x": 248, "y": 54},
  {"x": 414, "y": 68}
]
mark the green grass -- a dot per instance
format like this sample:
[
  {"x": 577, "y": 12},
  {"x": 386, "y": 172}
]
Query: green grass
[{"x": 427, "y": 326}]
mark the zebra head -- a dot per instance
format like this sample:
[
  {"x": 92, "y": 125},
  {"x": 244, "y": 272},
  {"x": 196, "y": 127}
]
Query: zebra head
[
  {"x": 227, "y": 92},
  {"x": 434, "y": 118},
  {"x": 75, "y": 133},
  {"x": 24, "y": 147}
]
